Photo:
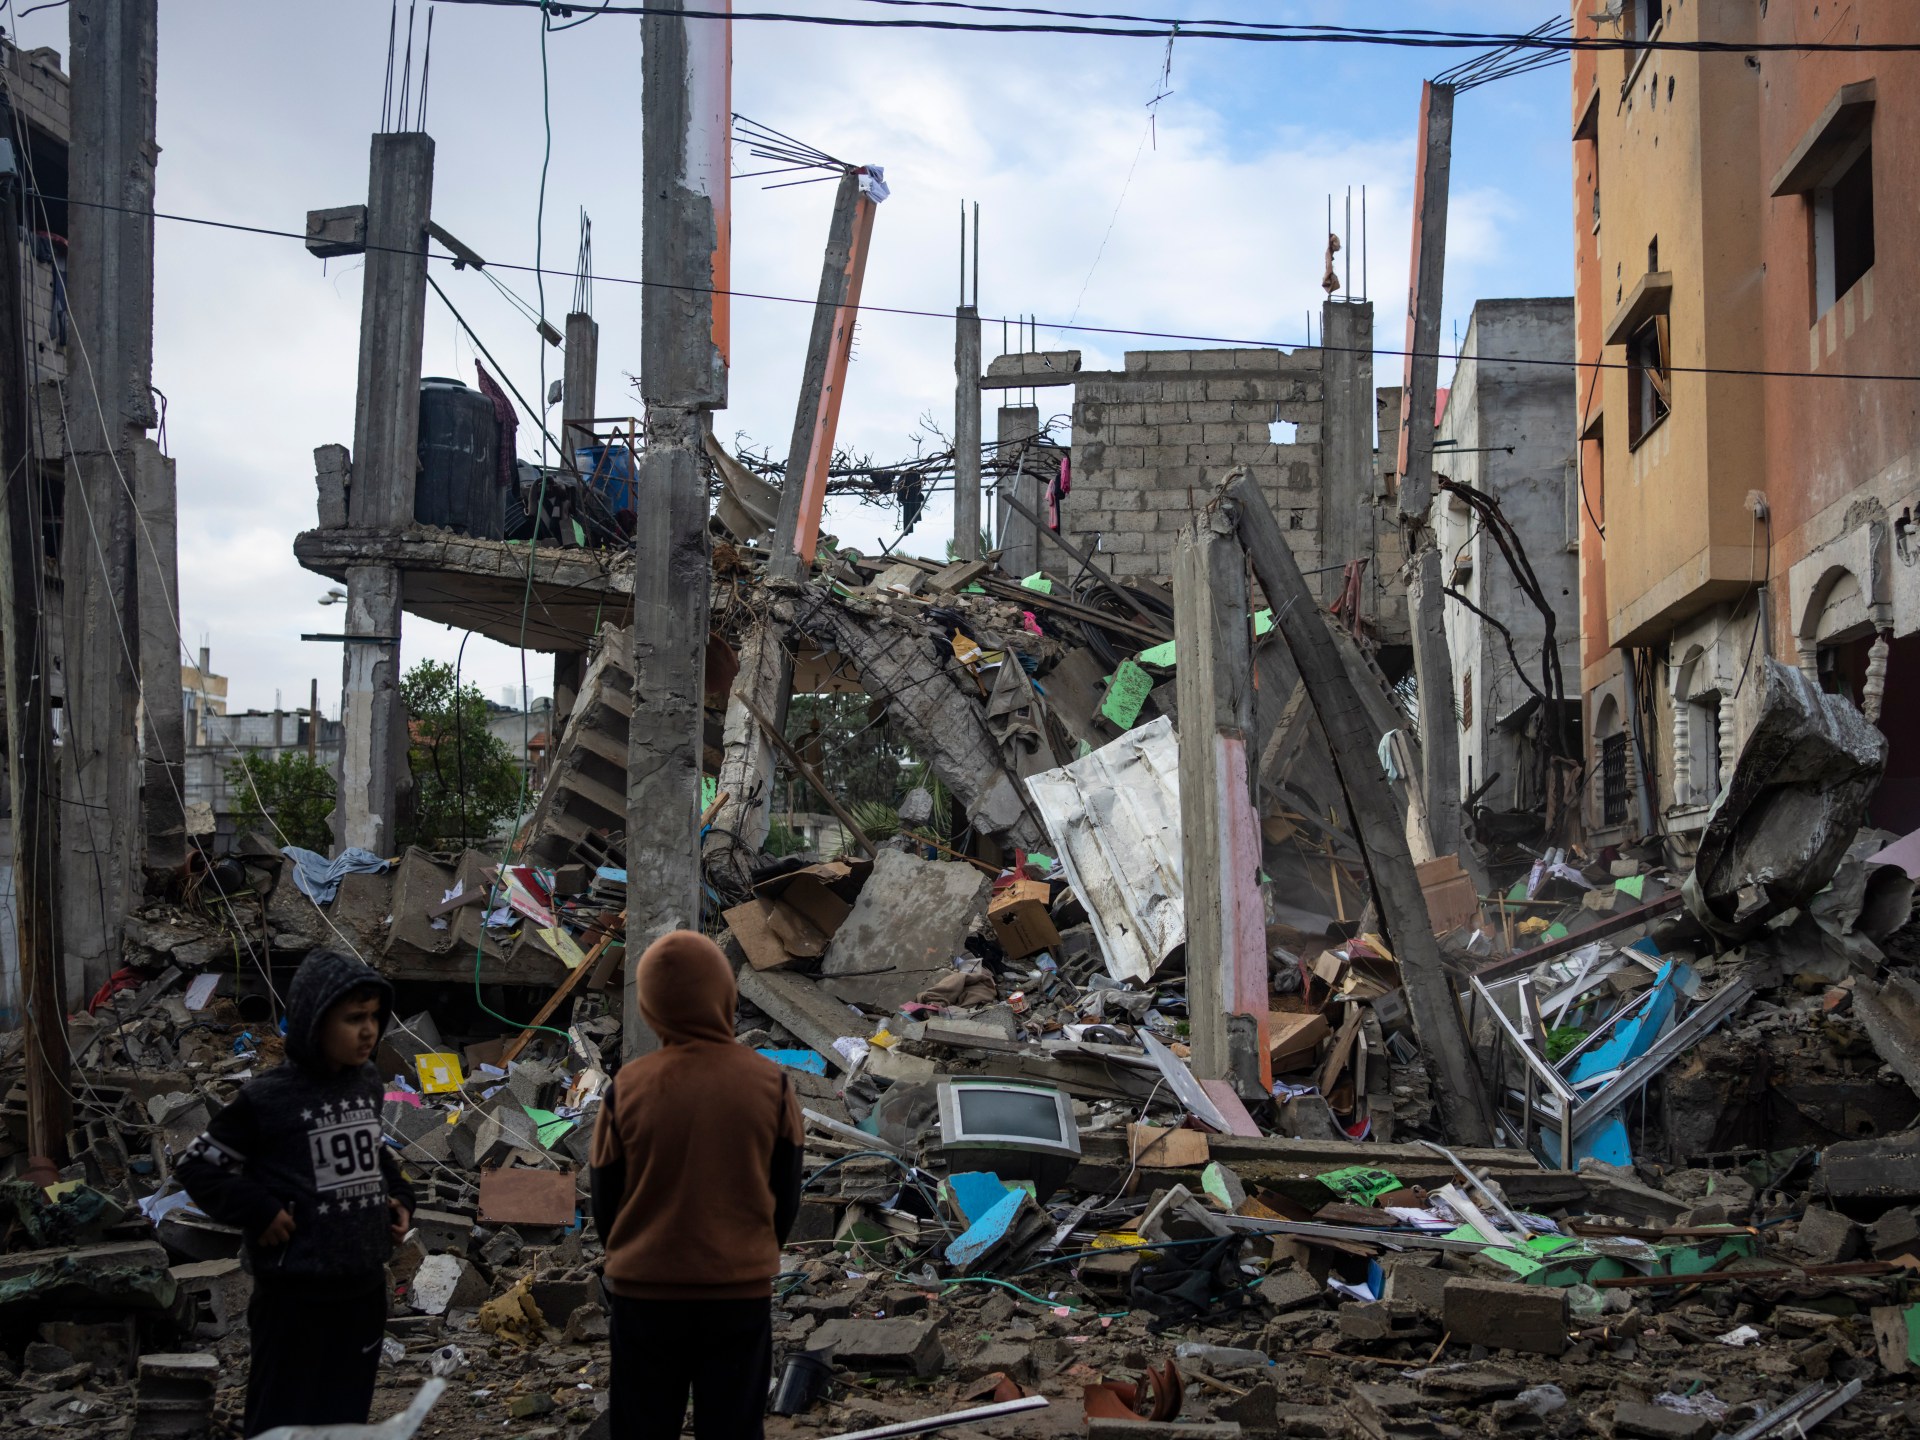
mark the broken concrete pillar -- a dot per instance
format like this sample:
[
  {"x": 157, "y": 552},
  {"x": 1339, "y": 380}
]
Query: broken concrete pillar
[
  {"x": 1013, "y": 461},
  {"x": 966, "y": 433},
  {"x": 386, "y": 443},
  {"x": 764, "y": 683},
  {"x": 1219, "y": 832}
]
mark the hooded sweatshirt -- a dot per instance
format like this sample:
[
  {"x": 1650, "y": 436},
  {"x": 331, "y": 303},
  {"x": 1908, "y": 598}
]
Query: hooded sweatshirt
[
  {"x": 305, "y": 1137},
  {"x": 698, "y": 1148}
]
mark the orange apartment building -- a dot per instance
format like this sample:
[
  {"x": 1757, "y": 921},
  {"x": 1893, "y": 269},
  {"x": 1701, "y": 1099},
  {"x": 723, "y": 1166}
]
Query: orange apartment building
[{"x": 1747, "y": 236}]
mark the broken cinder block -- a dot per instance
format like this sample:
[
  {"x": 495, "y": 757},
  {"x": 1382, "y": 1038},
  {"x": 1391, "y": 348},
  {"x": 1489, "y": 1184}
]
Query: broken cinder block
[{"x": 1504, "y": 1316}]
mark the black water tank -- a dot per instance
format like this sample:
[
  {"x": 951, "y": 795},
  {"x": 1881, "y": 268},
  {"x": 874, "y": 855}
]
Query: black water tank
[{"x": 459, "y": 483}]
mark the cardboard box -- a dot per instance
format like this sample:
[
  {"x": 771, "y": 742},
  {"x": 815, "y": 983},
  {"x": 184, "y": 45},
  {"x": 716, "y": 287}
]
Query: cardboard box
[
  {"x": 1021, "y": 920},
  {"x": 1294, "y": 1040},
  {"x": 1157, "y": 1149},
  {"x": 1451, "y": 902},
  {"x": 793, "y": 916}
]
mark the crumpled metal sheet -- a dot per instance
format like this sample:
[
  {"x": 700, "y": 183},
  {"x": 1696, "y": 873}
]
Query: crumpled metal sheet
[
  {"x": 1784, "y": 820},
  {"x": 1114, "y": 818}
]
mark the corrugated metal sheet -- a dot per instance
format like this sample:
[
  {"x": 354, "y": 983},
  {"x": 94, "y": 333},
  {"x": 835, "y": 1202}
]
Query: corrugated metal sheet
[{"x": 1114, "y": 818}]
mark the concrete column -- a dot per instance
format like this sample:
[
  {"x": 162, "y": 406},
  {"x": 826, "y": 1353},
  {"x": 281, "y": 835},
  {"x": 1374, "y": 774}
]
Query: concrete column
[
  {"x": 30, "y": 928},
  {"x": 823, "y": 383},
  {"x": 966, "y": 433},
  {"x": 1432, "y": 664},
  {"x": 1431, "y": 1001},
  {"x": 164, "y": 736},
  {"x": 686, "y": 119},
  {"x": 1346, "y": 467},
  {"x": 1219, "y": 833},
  {"x": 113, "y": 50},
  {"x": 1019, "y": 538},
  {"x": 765, "y": 683},
  {"x": 580, "y": 397},
  {"x": 386, "y": 439}
]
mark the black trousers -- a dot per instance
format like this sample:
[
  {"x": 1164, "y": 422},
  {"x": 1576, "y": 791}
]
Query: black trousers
[
  {"x": 315, "y": 1356},
  {"x": 720, "y": 1351}
]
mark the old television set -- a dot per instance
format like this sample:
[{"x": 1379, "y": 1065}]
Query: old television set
[{"x": 1018, "y": 1131}]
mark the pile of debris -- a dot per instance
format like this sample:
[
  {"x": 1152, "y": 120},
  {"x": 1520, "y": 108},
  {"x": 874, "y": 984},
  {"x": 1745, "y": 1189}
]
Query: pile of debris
[{"x": 1697, "y": 1215}]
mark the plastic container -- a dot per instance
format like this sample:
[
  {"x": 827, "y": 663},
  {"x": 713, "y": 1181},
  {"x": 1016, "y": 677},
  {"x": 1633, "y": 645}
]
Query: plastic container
[
  {"x": 803, "y": 1382},
  {"x": 458, "y": 485}
]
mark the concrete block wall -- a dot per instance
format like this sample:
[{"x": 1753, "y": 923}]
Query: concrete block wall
[
  {"x": 1150, "y": 443},
  {"x": 38, "y": 88}
]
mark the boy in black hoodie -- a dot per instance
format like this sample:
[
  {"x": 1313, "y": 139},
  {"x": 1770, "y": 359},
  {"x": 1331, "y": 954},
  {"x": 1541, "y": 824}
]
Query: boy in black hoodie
[{"x": 297, "y": 1165}]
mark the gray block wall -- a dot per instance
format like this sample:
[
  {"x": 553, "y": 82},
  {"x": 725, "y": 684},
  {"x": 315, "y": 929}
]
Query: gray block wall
[{"x": 1150, "y": 443}]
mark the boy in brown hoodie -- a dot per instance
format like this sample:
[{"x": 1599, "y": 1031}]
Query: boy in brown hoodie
[{"x": 696, "y": 1183}]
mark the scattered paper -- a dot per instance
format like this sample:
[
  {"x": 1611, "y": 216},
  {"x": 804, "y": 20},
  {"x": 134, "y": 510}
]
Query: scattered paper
[
  {"x": 563, "y": 945},
  {"x": 201, "y": 991}
]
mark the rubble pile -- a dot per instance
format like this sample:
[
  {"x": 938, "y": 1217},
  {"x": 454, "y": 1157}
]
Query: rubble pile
[{"x": 1699, "y": 1217}]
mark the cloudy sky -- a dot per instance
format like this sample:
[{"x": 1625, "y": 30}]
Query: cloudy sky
[{"x": 1204, "y": 214}]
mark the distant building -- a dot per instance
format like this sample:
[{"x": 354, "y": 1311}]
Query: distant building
[
  {"x": 527, "y": 734},
  {"x": 216, "y": 740},
  {"x": 1508, "y": 432}
]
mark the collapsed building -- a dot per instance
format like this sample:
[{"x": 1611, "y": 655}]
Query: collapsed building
[{"x": 1160, "y": 1065}]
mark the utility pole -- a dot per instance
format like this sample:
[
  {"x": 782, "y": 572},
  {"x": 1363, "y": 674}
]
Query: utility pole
[
  {"x": 966, "y": 403},
  {"x": 579, "y": 396},
  {"x": 1432, "y": 664},
  {"x": 686, "y": 124},
  {"x": 386, "y": 439},
  {"x": 28, "y": 658},
  {"x": 836, "y": 310},
  {"x": 110, "y": 407},
  {"x": 1219, "y": 832}
]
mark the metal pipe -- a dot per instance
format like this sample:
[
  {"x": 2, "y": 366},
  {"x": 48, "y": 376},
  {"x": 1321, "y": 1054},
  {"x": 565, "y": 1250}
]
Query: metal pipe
[{"x": 942, "y": 1422}]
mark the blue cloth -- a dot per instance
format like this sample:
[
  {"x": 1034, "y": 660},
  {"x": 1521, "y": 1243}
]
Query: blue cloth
[{"x": 319, "y": 878}]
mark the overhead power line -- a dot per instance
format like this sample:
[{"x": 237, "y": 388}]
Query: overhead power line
[
  {"x": 1237, "y": 341},
  {"x": 1124, "y": 26}
]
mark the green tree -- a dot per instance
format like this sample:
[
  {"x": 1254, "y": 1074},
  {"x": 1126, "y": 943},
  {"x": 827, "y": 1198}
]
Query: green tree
[
  {"x": 850, "y": 744},
  {"x": 286, "y": 794},
  {"x": 465, "y": 781}
]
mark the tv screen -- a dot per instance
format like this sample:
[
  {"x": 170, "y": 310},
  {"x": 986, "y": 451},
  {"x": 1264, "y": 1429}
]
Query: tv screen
[{"x": 985, "y": 1111}]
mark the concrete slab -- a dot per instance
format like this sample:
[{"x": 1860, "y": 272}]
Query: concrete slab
[{"x": 912, "y": 918}]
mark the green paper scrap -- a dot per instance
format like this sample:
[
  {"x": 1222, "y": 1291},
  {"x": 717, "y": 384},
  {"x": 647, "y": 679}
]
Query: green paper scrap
[
  {"x": 1634, "y": 885},
  {"x": 1911, "y": 1315},
  {"x": 1555, "y": 931},
  {"x": 1519, "y": 890},
  {"x": 975, "y": 589},
  {"x": 1164, "y": 656},
  {"x": 548, "y": 1127},
  {"x": 1549, "y": 1244},
  {"x": 1126, "y": 694},
  {"x": 1360, "y": 1183},
  {"x": 709, "y": 788},
  {"x": 1045, "y": 862},
  {"x": 1037, "y": 581}
]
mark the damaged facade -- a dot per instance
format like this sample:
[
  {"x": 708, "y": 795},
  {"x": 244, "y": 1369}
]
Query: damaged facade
[{"x": 1741, "y": 219}]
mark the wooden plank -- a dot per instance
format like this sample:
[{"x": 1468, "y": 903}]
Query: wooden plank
[{"x": 575, "y": 978}]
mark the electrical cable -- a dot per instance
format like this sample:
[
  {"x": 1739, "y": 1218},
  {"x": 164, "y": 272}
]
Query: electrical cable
[
  {"x": 946, "y": 316},
  {"x": 1148, "y": 27}
]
